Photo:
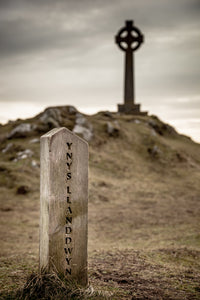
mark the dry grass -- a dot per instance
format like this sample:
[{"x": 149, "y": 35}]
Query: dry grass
[
  {"x": 52, "y": 287},
  {"x": 144, "y": 213}
]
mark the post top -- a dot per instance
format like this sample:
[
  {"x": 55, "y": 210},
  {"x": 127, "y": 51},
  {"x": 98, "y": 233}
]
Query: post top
[{"x": 55, "y": 131}]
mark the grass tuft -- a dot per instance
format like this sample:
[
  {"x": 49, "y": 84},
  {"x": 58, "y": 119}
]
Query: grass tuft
[{"x": 52, "y": 286}]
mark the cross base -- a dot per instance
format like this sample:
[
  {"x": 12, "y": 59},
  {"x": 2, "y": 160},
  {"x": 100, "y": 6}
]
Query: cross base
[{"x": 133, "y": 109}]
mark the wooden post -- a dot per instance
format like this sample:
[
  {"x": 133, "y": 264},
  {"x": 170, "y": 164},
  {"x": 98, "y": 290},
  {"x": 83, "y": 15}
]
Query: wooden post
[{"x": 64, "y": 204}]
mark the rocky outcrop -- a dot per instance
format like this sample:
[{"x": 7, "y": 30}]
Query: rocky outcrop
[
  {"x": 113, "y": 128},
  {"x": 160, "y": 127},
  {"x": 8, "y": 148},
  {"x": 51, "y": 117},
  {"x": 22, "y": 130},
  {"x": 34, "y": 141},
  {"x": 23, "y": 155},
  {"x": 55, "y": 117},
  {"x": 83, "y": 127}
]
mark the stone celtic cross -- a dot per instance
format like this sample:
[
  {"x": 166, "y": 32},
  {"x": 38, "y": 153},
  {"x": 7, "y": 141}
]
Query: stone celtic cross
[{"x": 129, "y": 39}]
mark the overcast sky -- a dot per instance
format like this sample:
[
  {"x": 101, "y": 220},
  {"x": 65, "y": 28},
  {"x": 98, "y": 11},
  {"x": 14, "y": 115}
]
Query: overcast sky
[{"x": 62, "y": 52}]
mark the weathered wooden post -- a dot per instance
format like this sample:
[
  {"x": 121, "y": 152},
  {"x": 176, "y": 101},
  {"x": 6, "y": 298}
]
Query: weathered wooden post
[{"x": 64, "y": 204}]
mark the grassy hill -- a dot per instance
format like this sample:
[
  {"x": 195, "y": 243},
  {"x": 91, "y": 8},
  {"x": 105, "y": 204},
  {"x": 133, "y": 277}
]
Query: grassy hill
[{"x": 144, "y": 204}]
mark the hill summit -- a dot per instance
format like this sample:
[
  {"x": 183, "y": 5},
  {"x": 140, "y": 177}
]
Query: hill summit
[
  {"x": 143, "y": 202},
  {"x": 144, "y": 137}
]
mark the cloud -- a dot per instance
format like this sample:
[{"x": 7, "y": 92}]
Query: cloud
[
  {"x": 63, "y": 51},
  {"x": 29, "y": 26}
]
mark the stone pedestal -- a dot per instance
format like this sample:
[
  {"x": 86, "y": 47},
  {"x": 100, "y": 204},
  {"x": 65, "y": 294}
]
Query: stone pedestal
[{"x": 133, "y": 109}]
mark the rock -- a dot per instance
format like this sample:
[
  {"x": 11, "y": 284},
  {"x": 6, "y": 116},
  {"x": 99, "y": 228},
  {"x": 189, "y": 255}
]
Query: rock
[
  {"x": 83, "y": 127},
  {"x": 72, "y": 109},
  {"x": 23, "y": 155},
  {"x": 136, "y": 121},
  {"x": 169, "y": 129},
  {"x": 153, "y": 133},
  {"x": 161, "y": 128},
  {"x": 7, "y": 148},
  {"x": 51, "y": 117},
  {"x": 12, "y": 149},
  {"x": 113, "y": 128},
  {"x": 154, "y": 124},
  {"x": 34, "y": 164},
  {"x": 85, "y": 132},
  {"x": 155, "y": 151},
  {"x": 80, "y": 119},
  {"x": 107, "y": 114},
  {"x": 21, "y": 131},
  {"x": 35, "y": 140}
]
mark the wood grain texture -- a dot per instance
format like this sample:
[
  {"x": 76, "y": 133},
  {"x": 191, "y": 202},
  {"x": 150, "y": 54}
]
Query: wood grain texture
[{"x": 64, "y": 193}]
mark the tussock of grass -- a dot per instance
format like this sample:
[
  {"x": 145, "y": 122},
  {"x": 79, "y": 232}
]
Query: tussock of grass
[{"x": 52, "y": 287}]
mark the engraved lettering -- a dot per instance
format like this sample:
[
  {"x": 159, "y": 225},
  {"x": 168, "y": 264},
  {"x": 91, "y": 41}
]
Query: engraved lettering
[
  {"x": 68, "y": 191},
  {"x": 68, "y": 230},
  {"x": 69, "y": 165},
  {"x": 68, "y": 240},
  {"x": 69, "y": 145},
  {"x": 69, "y": 176},
  {"x": 69, "y": 210},
  {"x": 69, "y": 271},
  {"x": 68, "y": 200},
  {"x": 68, "y": 250},
  {"x": 68, "y": 220},
  {"x": 69, "y": 155},
  {"x": 68, "y": 260}
]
